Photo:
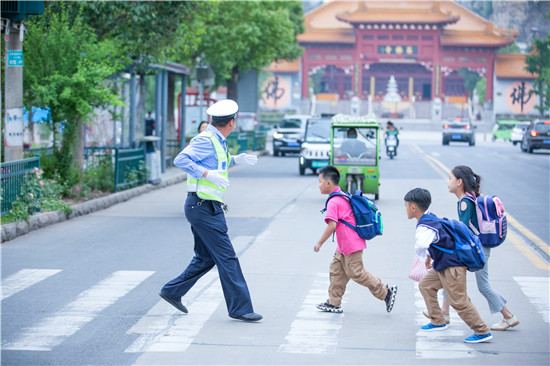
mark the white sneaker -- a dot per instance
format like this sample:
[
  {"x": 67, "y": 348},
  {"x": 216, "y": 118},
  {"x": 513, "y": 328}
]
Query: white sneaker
[
  {"x": 446, "y": 316},
  {"x": 505, "y": 324}
]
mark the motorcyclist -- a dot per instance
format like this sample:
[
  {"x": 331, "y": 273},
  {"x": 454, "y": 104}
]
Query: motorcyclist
[{"x": 392, "y": 130}]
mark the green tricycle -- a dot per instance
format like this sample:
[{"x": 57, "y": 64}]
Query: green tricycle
[{"x": 355, "y": 152}]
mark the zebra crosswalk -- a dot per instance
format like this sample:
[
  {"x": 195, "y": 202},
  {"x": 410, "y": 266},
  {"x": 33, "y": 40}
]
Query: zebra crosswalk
[{"x": 164, "y": 329}]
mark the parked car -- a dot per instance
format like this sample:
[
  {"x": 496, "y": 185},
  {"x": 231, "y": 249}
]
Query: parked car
[
  {"x": 288, "y": 135},
  {"x": 536, "y": 136},
  {"x": 315, "y": 151},
  {"x": 518, "y": 131},
  {"x": 459, "y": 129}
]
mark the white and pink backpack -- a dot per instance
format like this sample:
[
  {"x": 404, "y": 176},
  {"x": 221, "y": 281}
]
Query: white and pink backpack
[{"x": 491, "y": 219}]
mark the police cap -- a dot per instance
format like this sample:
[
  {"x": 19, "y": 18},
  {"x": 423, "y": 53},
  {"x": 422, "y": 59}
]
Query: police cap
[{"x": 223, "y": 111}]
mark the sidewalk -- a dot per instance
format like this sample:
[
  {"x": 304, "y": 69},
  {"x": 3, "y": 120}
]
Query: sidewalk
[{"x": 13, "y": 230}]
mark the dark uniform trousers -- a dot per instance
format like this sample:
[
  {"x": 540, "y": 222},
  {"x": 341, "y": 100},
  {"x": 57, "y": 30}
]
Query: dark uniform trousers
[{"x": 212, "y": 247}]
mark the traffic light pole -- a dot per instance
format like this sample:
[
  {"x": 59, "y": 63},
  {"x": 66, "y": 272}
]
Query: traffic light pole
[{"x": 13, "y": 92}]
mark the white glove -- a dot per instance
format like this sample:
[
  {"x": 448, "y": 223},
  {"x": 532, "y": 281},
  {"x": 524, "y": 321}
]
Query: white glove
[
  {"x": 245, "y": 159},
  {"x": 215, "y": 177}
]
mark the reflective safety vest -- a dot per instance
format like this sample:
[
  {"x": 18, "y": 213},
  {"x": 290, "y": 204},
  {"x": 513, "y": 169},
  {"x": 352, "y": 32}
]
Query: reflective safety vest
[{"x": 204, "y": 188}]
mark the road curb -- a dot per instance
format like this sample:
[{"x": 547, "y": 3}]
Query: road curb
[{"x": 13, "y": 230}]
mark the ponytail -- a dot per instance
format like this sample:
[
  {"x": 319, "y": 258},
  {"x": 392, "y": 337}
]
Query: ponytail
[{"x": 471, "y": 180}]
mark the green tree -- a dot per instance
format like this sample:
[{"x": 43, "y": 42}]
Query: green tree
[
  {"x": 243, "y": 35},
  {"x": 539, "y": 64},
  {"x": 470, "y": 79},
  {"x": 66, "y": 69}
]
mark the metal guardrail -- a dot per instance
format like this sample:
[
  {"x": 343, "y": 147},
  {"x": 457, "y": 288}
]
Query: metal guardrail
[
  {"x": 127, "y": 160},
  {"x": 13, "y": 178}
]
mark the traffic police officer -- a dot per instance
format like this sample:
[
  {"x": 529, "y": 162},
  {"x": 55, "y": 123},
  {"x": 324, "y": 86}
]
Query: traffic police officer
[{"x": 206, "y": 161}]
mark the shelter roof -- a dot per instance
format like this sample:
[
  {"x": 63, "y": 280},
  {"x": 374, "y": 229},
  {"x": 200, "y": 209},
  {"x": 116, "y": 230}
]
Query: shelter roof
[
  {"x": 285, "y": 66},
  {"x": 335, "y": 22},
  {"x": 512, "y": 66}
]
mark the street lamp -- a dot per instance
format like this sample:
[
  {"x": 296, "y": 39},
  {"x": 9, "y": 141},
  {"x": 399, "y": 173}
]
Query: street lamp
[{"x": 201, "y": 73}]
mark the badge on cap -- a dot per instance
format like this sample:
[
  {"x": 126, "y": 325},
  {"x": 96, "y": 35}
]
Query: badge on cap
[{"x": 223, "y": 108}]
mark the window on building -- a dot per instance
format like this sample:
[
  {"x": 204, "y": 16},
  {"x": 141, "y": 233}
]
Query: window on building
[
  {"x": 480, "y": 60},
  {"x": 383, "y": 37},
  {"x": 427, "y": 38},
  {"x": 463, "y": 59},
  {"x": 397, "y": 38}
]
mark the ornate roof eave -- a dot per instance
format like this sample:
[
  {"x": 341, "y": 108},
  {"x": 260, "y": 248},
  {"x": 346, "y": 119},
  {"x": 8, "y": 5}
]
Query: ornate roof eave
[
  {"x": 480, "y": 44},
  {"x": 441, "y": 22}
]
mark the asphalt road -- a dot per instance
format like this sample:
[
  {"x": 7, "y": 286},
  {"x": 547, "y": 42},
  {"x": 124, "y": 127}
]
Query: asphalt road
[{"x": 84, "y": 292}]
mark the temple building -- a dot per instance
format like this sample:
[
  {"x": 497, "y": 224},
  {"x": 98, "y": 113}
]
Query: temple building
[{"x": 354, "y": 47}]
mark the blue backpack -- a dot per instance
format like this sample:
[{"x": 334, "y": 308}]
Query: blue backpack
[
  {"x": 491, "y": 219},
  {"x": 368, "y": 220},
  {"x": 467, "y": 245}
]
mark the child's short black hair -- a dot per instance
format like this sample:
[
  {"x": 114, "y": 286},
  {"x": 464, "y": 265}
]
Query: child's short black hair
[
  {"x": 420, "y": 197},
  {"x": 330, "y": 173}
]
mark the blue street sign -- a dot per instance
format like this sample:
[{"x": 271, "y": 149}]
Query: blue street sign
[{"x": 15, "y": 58}]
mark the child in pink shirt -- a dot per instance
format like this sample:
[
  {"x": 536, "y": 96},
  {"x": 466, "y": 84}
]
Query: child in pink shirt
[{"x": 347, "y": 262}]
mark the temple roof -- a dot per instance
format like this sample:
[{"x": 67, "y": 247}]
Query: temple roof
[
  {"x": 396, "y": 13},
  {"x": 335, "y": 22},
  {"x": 512, "y": 66}
]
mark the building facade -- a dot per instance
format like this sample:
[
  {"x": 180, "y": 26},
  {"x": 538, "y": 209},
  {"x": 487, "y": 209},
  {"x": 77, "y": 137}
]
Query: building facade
[{"x": 354, "y": 47}]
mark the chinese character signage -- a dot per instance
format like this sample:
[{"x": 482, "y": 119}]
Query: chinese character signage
[
  {"x": 519, "y": 98},
  {"x": 15, "y": 58},
  {"x": 275, "y": 92},
  {"x": 13, "y": 133},
  {"x": 397, "y": 50}
]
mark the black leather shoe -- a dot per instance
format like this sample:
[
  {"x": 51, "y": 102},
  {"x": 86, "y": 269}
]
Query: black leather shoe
[
  {"x": 250, "y": 317},
  {"x": 175, "y": 303}
]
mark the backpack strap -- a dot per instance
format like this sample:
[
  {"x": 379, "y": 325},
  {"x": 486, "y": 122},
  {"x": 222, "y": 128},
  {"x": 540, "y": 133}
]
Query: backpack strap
[
  {"x": 448, "y": 251},
  {"x": 342, "y": 194}
]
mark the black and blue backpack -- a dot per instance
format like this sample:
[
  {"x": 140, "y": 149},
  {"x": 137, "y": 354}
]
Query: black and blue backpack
[
  {"x": 467, "y": 245},
  {"x": 368, "y": 220}
]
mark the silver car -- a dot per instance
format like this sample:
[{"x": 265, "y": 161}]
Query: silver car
[{"x": 459, "y": 129}]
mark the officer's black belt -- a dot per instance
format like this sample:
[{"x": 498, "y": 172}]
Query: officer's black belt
[{"x": 213, "y": 202}]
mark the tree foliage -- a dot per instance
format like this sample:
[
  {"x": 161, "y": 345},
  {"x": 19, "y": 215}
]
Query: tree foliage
[
  {"x": 539, "y": 63},
  {"x": 243, "y": 35},
  {"x": 65, "y": 70}
]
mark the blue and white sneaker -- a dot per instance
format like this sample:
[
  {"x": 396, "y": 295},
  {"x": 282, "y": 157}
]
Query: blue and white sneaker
[
  {"x": 478, "y": 338},
  {"x": 430, "y": 327}
]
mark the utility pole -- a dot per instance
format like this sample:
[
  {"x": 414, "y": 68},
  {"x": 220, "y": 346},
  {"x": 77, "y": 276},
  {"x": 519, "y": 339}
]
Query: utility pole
[
  {"x": 13, "y": 91},
  {"x": 13, "y": 14}
]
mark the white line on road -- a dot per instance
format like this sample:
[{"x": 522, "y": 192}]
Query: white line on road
[
  {"x": 23, "y": 279},
  {"x": 536, "y": 289},
  {"x": 54, "y": 329},
  {"x": 446, "y": 344},
  {"x": 313, "y": 331},
  {"x": 165, "y": 329}
]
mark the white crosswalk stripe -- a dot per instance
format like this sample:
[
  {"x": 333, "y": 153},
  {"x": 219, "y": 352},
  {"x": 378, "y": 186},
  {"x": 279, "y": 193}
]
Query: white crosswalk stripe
[
  {"x": 537, "y": 289},
  {"x": 313, "y": 331},
  {"x": 165, "y": 329},
  {"x": 23, "y": 279},
  {"x": 54, "y": 329},
  {"x": 446, "y": 344}
]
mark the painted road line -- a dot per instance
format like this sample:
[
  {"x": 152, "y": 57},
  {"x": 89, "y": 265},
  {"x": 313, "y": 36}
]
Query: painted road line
[
  {"x": 165, "y": 329},
  {"x": 511, "y": 220},
  {"x": 314, "y": 331},
  {"x": 527, "y": 252},
  {"x": 424, "y": 156},
  {"x": 24, "y": 279},
  {"x": 535, "y": 239},
  {"x": 54, "y": 329},
  {"x": 537, "y": 289},
  {"x": 446, "y": 344}
]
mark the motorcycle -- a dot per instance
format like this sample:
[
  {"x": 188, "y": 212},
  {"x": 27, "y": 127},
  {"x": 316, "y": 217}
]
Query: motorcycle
[{"x": 391, "y": 145}]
